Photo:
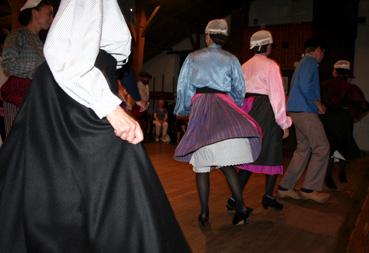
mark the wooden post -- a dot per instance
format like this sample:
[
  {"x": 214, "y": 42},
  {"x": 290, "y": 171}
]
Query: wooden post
[
  {"x": 139, "y": 49},
  {"x": 139, "y": 31}
]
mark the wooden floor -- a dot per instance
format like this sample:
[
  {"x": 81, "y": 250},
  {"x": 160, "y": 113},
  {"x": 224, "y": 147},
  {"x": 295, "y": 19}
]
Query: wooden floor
[{"x": 302, "y": 226}]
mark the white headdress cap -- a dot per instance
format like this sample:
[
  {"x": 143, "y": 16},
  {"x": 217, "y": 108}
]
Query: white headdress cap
[
  {"x": 261, "y": 38},
  {"x": 217, "y": 26},
  {"x": 30, "y": 4},
  {"x": 342, "y": 64}
]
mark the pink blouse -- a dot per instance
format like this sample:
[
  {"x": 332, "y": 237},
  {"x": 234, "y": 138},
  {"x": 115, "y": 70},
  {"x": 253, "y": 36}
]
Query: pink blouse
[{"x": 262, "y": 76}]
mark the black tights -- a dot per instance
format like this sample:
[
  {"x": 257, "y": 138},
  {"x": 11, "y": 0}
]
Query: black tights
[
  {"x": 203, "y": 186},
  {"x": 270, "y": 181}
]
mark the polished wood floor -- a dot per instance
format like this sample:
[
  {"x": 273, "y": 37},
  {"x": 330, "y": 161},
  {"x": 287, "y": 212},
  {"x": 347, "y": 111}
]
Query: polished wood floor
[{"x": 303, "y": 226}]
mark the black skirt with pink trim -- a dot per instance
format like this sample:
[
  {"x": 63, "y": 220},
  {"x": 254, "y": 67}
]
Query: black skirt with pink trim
[
  {"x": 270, "y": 160},
  {"x": 215, "y": 117}
]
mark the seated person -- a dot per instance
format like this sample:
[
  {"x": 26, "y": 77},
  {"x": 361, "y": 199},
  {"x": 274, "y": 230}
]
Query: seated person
[{"x": 161, "y": 122}]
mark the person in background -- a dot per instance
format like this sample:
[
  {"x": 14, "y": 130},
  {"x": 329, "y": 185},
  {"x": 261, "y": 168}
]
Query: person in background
[
  {"x": 210, "y": 90},
  {"x": 345, "y": 105},
  {"x": 265, "y": 101},
  {"x": 161, "y": 122},
  {"x": 127, "y": 84},
  {"x": 73, "y": 174},
  {"x": 143, "y": 86},
  {"x": 312, "y": 150},
  {"x": 22, "y": 54}
]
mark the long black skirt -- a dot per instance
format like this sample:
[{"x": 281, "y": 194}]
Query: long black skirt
[
  {"x": 68, "y": 184},
  {"x": 271, "y": 156}
]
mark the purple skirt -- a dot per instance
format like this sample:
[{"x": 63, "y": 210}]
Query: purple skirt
[{"x": 215, "y": 117}]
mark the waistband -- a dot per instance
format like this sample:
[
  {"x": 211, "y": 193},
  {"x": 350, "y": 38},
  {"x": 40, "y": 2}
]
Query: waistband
[
  {"x": 208, "y": 90},
  {"x": 255, "y": 95}
]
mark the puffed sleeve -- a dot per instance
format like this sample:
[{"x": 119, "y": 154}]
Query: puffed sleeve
[
  {"x": 277, "y": 97},
  {"x": 185, "y": 90},
  {"x": 238, "y": 83},
  {"x": 78, "y": 31}
]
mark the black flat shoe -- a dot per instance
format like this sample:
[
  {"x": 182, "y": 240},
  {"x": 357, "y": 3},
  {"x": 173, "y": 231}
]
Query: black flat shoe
[
  {"x": 242, "y": 218},
  {"x": 329, "y": 182},
  {"x": 272, "y": 203},
  {"x": 204, "y": 221},
  {"x": 231, "y": 204}
]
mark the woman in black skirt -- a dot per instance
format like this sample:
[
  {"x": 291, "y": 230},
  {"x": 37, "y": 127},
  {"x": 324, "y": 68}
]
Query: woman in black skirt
[
  {"x": 265, "y": 101},
  {"x": 71, "y": 178}
]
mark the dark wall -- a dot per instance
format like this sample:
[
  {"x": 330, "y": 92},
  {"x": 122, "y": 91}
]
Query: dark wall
[{"x": 336, "y": 22}]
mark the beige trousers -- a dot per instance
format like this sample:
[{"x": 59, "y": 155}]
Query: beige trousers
[{"x": 311, "y": 154}]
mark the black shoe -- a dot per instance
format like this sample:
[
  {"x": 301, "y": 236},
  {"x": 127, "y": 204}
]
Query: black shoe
[
  {"x": 204, "y": 221},
  {"x": 271, "y": 202},
  {"x": 329, "y": 182},
  {"x": 242, "y": 218},
  {"x": 231, "y": 204}
]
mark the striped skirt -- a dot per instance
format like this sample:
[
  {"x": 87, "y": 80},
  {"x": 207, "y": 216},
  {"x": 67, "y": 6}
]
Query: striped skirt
[{"x": 216, "y": 126}]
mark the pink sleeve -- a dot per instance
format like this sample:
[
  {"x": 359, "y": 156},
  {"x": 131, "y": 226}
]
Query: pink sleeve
[{"x": 277, "y": 97}]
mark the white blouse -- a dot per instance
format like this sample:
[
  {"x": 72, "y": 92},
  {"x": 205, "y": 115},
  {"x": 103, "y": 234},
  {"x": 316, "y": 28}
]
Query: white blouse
[{"x": 79, "y": 30}]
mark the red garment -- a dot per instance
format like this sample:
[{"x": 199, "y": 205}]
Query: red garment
[
  {"x": 15, "y": 90},
  {"x": 337, "y": 93}
]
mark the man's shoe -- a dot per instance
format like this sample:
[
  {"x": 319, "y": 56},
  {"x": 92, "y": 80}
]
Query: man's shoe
[
  {"x": 319, "y": 197},
  {"x": 288, "y": 194}
]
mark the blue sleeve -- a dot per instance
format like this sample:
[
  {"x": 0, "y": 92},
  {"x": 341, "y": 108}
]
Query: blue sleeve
[
  {"x": 130, "y": 83},
  {"x": 238, "y": 89},
  {"x": 309, "y": 81},
  {"x": 185, "y": 90}
]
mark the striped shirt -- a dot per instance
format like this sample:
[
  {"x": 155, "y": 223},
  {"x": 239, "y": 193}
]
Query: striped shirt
[{"x": 22, "y": 53}]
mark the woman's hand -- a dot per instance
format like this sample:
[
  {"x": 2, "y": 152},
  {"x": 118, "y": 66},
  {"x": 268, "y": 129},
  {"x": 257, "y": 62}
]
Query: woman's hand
[
  {"x": 125, "y": 127},
  {"x": 286, "y": 133}
]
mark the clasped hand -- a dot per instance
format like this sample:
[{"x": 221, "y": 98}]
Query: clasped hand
[{"x": 125, "y": 127}]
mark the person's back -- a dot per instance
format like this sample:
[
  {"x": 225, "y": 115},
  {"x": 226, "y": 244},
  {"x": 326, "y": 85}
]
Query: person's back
[
  {"x": 22, "y": 54},
  {"x": 305, "y": 90},
  {"x": 213, "y": 67},
  {"x": 312, "y": 150},
  {"x": 211, "y": 89}
]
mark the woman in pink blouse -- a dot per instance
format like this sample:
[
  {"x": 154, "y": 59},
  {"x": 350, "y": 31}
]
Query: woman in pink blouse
[{"x": 265, "y": 102}]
